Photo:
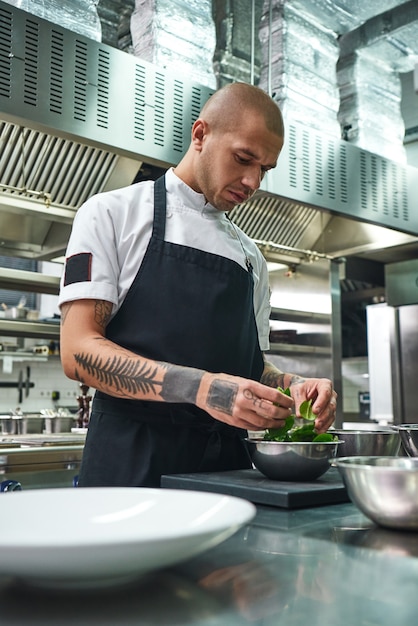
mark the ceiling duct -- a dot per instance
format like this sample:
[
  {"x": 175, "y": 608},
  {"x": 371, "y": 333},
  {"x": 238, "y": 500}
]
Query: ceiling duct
[{"x": 78, "y": 117}]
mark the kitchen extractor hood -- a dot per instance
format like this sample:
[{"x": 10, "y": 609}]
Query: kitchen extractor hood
[{"x": 78, "y": 117}]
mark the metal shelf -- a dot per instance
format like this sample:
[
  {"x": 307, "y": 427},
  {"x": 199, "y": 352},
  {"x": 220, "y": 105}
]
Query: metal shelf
[
  {"x": 284, "y": 348},
  {"x": 34, "y": 330},
  {"x": 302, "y": 317},
  {"x": 23, "y": 356},
  {"x": 21, "y": 280}
]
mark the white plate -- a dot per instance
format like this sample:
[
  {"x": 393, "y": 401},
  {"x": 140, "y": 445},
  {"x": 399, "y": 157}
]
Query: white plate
[{"x": 99, "y": 536}]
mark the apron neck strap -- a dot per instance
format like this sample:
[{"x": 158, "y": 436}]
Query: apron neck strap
[{"x": 160, "y": 206}]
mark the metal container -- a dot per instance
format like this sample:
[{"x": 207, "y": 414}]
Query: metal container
[
  {"x": 409, "y": 437},
  {"x": 11, "y": 424},
  {"x": 383, "y": 488},
  {"x": 368, "y": 442},
  {"x": 16, "y": 312},
  {"x": 292, "y": 461}
]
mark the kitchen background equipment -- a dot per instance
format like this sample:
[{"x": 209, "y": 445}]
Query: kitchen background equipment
[
  {"x": 44, "y": 462},
  {"x": 393, "y": 347},
  {"x": 367, "y": 442},
  {"x": 409, "y": 437},
  {"x": 383, "y": 488}
]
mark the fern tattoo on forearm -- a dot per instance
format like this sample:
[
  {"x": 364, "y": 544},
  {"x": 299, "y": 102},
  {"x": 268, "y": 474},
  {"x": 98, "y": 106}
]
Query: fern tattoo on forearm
[{"x": 120, "y": 373}]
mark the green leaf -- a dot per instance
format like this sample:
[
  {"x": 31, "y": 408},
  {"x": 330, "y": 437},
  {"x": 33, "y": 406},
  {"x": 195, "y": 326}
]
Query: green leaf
[
  {"x": 324, "y": 437},
  {"x": 280, "y": 434},
  {"x": 285, "y": 391},
  {"x": 304, "y": 433},
  {"x": 305, "y": 410}
]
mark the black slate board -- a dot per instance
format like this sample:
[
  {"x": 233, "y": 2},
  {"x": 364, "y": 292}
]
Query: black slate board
[{"x": 252, "y": 485}]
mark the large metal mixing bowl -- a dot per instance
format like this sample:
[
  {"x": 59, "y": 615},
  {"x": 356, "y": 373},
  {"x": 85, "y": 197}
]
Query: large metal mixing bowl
[
  {"x": 368, "y": 442},
  {"x": 409, "y": 437},
  {"x": 383, "y": 488},
  {"x": 293, "y": 461}
]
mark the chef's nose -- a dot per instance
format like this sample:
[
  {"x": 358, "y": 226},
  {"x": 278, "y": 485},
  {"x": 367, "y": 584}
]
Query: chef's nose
[{"x": 252, "y": 178}]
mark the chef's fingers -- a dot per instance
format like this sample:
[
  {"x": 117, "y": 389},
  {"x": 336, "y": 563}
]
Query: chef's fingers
[{"x": 326, "y": 417}]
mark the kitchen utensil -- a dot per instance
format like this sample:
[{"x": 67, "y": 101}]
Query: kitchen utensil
[
  {"x": 409, "y": 437},
  {"x": 20, "y": 387},
  {"x": 27, "y": 381},
  {"x": 107, "y": 536},
  {"x": 11, "y": 424},
  {"x": 292, "y": 461},
  {"x": 383, "y": 488},
  {"x": 367, "y": 442}
]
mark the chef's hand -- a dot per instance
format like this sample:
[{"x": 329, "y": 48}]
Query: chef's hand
[
  {"x": 323, "y": 396},
  {"x": 243, "y": 403}
]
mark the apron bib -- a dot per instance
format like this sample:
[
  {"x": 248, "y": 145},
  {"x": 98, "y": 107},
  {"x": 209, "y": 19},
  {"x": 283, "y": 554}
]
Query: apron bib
[{"x": 187, "y": 307}]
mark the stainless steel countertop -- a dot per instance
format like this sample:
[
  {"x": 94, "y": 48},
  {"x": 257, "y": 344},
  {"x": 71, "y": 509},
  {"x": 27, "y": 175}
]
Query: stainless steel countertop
[{"x": 323, "y": 566}]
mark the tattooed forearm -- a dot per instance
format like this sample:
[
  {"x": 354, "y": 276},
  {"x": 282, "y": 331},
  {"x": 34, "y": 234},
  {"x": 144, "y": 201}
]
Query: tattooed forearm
[
  {"x": 222, "y": 396},
  {"x": 181, "y": 384},
  {"x": 273, "y": 377},
  {"x": 119, "y": 374},
  {"x": 102, "y": 312}
]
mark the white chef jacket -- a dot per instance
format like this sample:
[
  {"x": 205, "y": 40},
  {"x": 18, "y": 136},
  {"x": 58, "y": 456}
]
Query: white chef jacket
[{"x": 116, "y": 226}]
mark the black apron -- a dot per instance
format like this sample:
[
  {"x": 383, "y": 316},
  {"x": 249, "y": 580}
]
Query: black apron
[{"x": 186, "y": 307}]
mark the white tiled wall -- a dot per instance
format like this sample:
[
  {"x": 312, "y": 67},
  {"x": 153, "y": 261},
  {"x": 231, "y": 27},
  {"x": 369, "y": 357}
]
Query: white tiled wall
[
  {"x": 355, "y": 379},
  {"x": 48, "y": 376}
]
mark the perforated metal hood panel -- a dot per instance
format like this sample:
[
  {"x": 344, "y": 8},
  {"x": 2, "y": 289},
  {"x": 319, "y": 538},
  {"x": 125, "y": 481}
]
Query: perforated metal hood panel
[{"x": 78, "y": 117}]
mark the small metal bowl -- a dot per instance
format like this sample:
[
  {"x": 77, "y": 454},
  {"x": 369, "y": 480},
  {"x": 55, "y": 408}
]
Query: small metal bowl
[
  {"x": 409, "y": 437},
  {"x": 383, "y": 488},
  {"x": 368, "y": 442},
  {"x": 292, "y": 461}
]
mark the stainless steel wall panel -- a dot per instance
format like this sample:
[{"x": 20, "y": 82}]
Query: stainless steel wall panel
[
  {"x": 57, "y": 81},
  {"x": 332, "y": 174}
]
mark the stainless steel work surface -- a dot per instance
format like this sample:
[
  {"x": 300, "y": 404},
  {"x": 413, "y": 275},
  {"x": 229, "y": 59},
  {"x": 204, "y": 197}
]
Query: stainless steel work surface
[
  {"x": 40, "y": 456},
  {"x": 321, "y": 566}
]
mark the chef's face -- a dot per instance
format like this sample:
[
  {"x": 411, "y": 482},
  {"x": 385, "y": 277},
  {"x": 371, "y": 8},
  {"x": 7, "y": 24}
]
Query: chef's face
[{"x": 231, "y": 165}]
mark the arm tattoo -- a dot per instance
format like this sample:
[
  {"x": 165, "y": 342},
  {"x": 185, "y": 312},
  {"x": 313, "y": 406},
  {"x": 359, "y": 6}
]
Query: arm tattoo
[
  {"x": 222, "y": 396},
  {"x": 273, "y": 377},
  {"x": 102, "y": 312},
  {"x": 181, "y": 384},
  {"x": 120, "y": 373},
  {"x": 65, "y": 310},
  {"x": 253, "y": 398}
]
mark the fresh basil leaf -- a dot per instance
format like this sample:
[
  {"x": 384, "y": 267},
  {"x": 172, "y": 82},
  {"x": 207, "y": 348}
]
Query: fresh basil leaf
[
  {"x": 324, "y": 437},
  {"x": 279, "y": 434},
  {"x": 285, "y": 391},
  {"x": 304, "y": 433},
  {"x": 305, "y": 410}
]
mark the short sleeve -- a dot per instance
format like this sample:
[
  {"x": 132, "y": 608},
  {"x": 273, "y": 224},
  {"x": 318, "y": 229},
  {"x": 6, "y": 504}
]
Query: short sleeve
[{"x": 91, "y": 267}]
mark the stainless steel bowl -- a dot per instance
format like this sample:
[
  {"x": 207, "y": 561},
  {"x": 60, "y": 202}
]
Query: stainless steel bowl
[
  {"x": 385, "y": 489},
  {"x": 294, "y": 461},
  {"x": 409, "y": 437},
  {"x": 368, "y": 442}
]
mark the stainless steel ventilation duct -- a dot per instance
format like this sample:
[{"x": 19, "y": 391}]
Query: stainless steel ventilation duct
[{"x": 78, "y": 117}]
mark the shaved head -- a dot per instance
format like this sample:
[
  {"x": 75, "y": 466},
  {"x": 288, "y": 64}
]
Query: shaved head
[
  {"x": 226, "y": 106},
  {"x": 235, "y": 141}
]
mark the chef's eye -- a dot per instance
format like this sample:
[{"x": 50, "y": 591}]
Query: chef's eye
[{"x": 243, "y": 160}]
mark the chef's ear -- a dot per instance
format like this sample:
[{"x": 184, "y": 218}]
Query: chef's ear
[{"x": 199, "y": 131}]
